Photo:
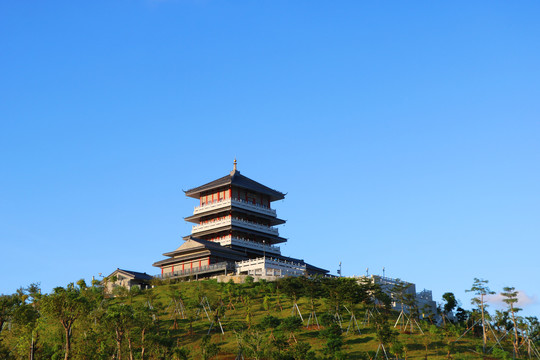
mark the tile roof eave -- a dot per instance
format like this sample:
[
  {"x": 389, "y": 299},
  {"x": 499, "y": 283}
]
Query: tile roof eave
[{"x": 235, "y": 178}]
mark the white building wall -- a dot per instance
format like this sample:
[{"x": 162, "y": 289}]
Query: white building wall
[{"x": 267, "y": 266}]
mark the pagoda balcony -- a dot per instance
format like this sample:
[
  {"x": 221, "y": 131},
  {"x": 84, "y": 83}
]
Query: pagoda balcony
[
  {"x": 236, "y": 202},
  {"x": 229, "y": 240},
  {"x": 228, "y": 221},
  {"x": 222, "y": 266},
  {"x": 255, "y": 226}
]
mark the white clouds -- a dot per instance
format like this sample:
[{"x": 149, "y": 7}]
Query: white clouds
[{"x": 523, "y": 299}]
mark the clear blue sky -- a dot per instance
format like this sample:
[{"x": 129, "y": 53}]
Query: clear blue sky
[{"x": 406, "y": 134}]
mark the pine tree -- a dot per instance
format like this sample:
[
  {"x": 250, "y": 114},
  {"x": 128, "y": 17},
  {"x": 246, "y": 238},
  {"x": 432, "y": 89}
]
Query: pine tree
[
  {"x": 480, "y": 289},
  {"x": 510, "y": 298}
]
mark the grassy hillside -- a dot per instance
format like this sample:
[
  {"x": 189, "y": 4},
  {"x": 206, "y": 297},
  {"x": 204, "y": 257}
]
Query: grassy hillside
[
  {"x": 259, "y": 320},
  {"x": 245, "y": 306}
]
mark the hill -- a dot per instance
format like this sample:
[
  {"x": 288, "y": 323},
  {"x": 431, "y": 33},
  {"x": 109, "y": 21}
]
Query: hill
[{"x": 295, "y": 318}]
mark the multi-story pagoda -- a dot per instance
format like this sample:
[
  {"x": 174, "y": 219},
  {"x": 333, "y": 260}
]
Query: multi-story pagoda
[{"x": 235, "y": 232}]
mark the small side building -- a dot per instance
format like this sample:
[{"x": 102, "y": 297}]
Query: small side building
[
  {"x": 127, "y": 279},
  {"x": 424, "y": 298}
]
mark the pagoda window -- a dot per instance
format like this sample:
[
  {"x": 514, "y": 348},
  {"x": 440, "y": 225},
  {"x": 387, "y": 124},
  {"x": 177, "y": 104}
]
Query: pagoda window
[{"x": 251, "y": 198}]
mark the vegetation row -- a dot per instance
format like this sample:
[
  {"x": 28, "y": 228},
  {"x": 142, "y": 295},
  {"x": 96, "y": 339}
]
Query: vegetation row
[{"x": 293, "y": 318}]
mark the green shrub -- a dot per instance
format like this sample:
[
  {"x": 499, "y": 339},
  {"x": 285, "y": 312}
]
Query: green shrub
[{"x": 501, "y": 354}]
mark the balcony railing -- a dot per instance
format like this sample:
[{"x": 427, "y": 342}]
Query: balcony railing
[
  {"x": 222, "y": 266},
  {"x": 255, "y": 226},
  {"x": 236, "y": 202},
  {"x": 270, "y": 261},
  {"x": 255, "y": 207},
  {"x": 210, "y": 225},
  {"x": 234, "y": 221},
  {"x": 211, "y": 206},
  {"x": 229, "y": 240}
]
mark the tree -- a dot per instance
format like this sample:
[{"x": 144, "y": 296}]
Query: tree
[
  {"x": 191, "y": 313},
  {"x": 255, "y": 343},
  {"x": 209, "y": 349},
  {"x": 26, "y": 316},
  {"x": 382, "y": 299},
  {"x": 269, "y": 322},
  {"x": 412, "y": 306},
  {"x": 480, "y": 289},
  {"x": 120, "y": 318},
  {"x": 533, "y": 327},
  {"x": 334, "y": 340},
  {"x": 352, "y": 294},
  {"x": 313, "y": 289},
  {"x": 397, "y": 348},
  {"x": 302, "y": 351},
  {"x": 510, "y": 298},
  {"x": 66, "y": 305},
  {"x": 462, "y": 315},
  {"x": 125, "y": 293},
  {"x": 177, "y": 305},
  {"x": 334, "y": 296},
  {"x": 291, "y": 324},
  {"x": 399, "y": 293},
  {"x": 449, "y": 305},
  {"x": 385, "y": 335},
  {"x": 8, "y": 304},
  {"x": 293, "y": 287},
  {"x": 181, "y": 353},
  {"x": 502, "y": 320},
  {"x": 143, "y": 319}
]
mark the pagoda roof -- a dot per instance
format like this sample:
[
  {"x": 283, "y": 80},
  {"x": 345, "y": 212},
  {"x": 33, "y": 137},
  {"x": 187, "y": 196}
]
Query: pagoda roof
[
  {"x": 270, "y": 239},
  {"x": 239, "y": 180},
  {"x": 195, "y": 248},
  {"x": 196, "y": 217},
  {"x": 195, "y": 244}
]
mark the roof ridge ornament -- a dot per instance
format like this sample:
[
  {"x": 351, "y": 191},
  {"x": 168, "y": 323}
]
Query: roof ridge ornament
[{"x": 234, "y": 171}]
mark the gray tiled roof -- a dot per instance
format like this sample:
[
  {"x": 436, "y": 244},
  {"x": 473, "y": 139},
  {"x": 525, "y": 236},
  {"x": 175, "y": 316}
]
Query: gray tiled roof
[
  {"x": 137, "y": 275},
  {"x": 236, "y": 179},
  {"x": 196, "y": 245}
]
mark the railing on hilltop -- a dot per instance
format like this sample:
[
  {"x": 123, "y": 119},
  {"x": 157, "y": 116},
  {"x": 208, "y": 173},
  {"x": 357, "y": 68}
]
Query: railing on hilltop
[{"x": 222, "y": 266}]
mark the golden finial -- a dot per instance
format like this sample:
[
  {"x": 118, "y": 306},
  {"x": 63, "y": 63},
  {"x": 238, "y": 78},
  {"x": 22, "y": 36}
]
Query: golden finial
[{"x": 234, "y": 168}]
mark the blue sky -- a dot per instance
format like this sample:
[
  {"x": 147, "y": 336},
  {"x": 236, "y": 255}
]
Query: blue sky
[{"x": 406, "y": 134}]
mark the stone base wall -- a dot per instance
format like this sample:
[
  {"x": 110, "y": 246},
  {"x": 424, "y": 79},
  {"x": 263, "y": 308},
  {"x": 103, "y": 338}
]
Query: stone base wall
[{"x": 240, "y": 279}]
